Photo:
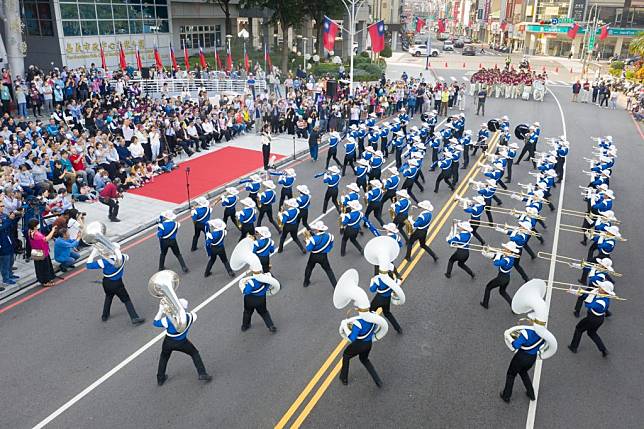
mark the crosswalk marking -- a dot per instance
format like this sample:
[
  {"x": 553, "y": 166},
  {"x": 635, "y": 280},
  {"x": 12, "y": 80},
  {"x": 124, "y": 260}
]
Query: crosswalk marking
[
  {"x": 453, "y": 78},
  {"x": 466, "y": 79}
]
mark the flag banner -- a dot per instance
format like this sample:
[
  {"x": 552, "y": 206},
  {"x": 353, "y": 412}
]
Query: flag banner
[
  {"x": 330, "y": 31},
  {"x": 572, "y": 33},
  {"x": 420, "y": 23},
  {"x": 377, "y": 35},
  {"x": 604, "y": 32}
]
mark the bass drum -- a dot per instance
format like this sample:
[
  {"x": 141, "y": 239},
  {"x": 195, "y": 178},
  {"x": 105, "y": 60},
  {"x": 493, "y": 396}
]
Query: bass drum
[
  {"x": 521, "y": 131},
  {"x": 493, "y": 125}
]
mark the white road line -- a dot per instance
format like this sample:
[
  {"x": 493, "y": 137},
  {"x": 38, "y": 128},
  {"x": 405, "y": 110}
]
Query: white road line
[
  {"x": 532, "y": 409},
  {"x": 561, "y": 82},
  {"x": 466, "y": 79},
  {"x": 67, "y": 405},
  {"x": 453, "y": 78}
]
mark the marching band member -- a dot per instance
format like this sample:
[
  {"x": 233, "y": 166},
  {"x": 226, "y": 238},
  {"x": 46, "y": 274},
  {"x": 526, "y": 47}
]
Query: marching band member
[
  {"x": 466, "y": 142},
  {"x": 600, "y": 224},
  {"x": 352, "y": 195},
  {"x": 511, "y": 153},
  {"x": 215, "y": 234},
  {"x": 200, "y": 218},
  {"x": 290, "y": 219},
  {"x": 113, "y": 268},
  {"x": 246, "y": 218},
  {"x": 383, "y": 285},
  {"x": 252, "y": 186},
  {"x": 264, "y": 247},
  {"x": 419, "y": 233},
  {"x": 334, "y": 139},
  {"x": 435, "y": 144},
  {"x": 229, "y": 203},
  {"x": 399, "y": 143},
  {"x": 482, "y": 139},
  {"x": 319, "y": 245},
  {"x": 375, "y": 164},
  {"x": 303, "y": 203},
  {"x": 562, "y": 148},
  {"x": 349, "y": 155},
  {"x": 178, "y": 341},
  {"x": 445, "y": 165},
  {"x": 374, "y": 137},
  {"x": 456, "y": 150},
  {"x": 595, "y": 274},
  {"x": 410, "y": 173},
  {"x": 332, "y": 180},
  {"x": 391, "y": 184},
  {"x": 350, "y": 223},
  {"x": 520, "y": 236},
  {"x": 604, "y": 244},
  {"x": 167, "y": 232},
  {"x": 384, "y": 135},
  {"x": 362, "y": 173},
  {"x": 286, "y": 180},
  {"x": 401, "y": 211},
  {"x": 361, "y": 134},
  {"x": 460, "y": 237},
  {"x": 488, "y": 192},
  {"x": 266, "y": 200},
  {"x": 431, "y": 121},
  {"x": 374, "y": 199},
  {"x": 597, "y": 307},
  {"x": 530, "y": 144},
  {"x": 504, "y": 261},
  {"x": 475, "y": 208}
]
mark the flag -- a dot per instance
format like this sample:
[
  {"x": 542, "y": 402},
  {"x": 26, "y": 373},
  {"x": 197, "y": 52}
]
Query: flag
[
  {"x": 377, "y": 35},
  {"x": 218, "y": 60},
  {"x": 420, "y": 23},
  {"x": 441, "y": 25},
  {"x": 229, "y": 60},
  {"x": 173, "y": 59},
  {"x": 267, "y": 59},
  {"x": 504, "y": 25},
  {"x": 157, "y": 59},
  {"x": 137, "y": 55},
  {"x": 330, "y": 31},
  {"x": 186, "y": 57},
  {"x": 604, "y": 32},
  {"x": 202, "y": 58},
  {"x": 103, "y": 62},
  {"x": 572, "y": 33},
  {"x": 122, "y": 61},
  {"x": 246, "y": 63}
]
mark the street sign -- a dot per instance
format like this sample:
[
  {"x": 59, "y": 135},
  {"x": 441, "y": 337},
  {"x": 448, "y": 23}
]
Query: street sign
[
  {"x": 554, "y": 21},
  {"x": 591, "y": 42}
]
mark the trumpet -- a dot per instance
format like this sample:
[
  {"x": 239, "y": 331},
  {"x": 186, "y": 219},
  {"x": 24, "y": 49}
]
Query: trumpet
[
  {"x": 488, "y": 249},
  {"x": 591, "y": 216},
  {"x": 392, "y": 212},
  {"x": 494, "y": 225},
  {"x": 280, "y": 223},
  {"x": 513, "y": 212},
  {"x": 579, "y": 290},
  {"x": 307, "y": 234},
  {"x": 589, "y": 232},
  {"x": 574, "y": 263},
  {"x": 522, "y": 194}
]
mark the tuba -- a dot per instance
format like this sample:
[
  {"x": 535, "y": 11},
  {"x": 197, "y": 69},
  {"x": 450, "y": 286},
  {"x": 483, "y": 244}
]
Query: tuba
[
  {"x": 493, "y": 125},
  {"x": 521, "y": 131},
  {"x": 382, "y": 251},
  {"x": 347, "y": 291},
  {"x": 529, "y": 299},
  {"x": 163, "y": 285},
  {"x": 94, "y": 234},
  {"x": 243, "y": 255}
]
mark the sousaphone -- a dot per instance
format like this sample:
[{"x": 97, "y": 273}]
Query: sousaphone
[
  {"x": 493, "y": 125},
  {"x": 243, "y": 255},
  {"x": 382, "y": 251},
  {"x": 521, "y": 131}
]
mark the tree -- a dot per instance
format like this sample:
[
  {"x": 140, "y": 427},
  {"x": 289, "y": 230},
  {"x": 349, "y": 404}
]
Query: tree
[
  {"x": 316, "y": 10},
  {"x": 288, "y": 13},
  {"x": 637, "y": 45},
  {"x": 224, "y": 5}
]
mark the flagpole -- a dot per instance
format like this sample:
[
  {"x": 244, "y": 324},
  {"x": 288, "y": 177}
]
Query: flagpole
[{"x": 429, "y": 42}]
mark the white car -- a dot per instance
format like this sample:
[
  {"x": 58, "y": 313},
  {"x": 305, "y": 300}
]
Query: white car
[
  {"x": 420, "y": 49},
  {"x": 448, "y": 46}
]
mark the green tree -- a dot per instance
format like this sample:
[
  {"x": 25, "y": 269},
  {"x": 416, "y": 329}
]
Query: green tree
[
  {"x": 637, "y": 45},
  {"x": 316, "y": 10},
  {"x": 224, "y": 5}
]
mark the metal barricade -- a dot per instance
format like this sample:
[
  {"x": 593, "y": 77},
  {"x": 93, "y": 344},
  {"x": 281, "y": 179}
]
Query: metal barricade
[{"x": 173, "y": 87}]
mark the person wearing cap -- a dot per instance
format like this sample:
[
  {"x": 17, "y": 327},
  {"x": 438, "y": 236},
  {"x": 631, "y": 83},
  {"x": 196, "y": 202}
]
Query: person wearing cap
[
  {"x": 254, "y": 288},
  {"x": 435, "y": 144},
  {"x": 603, "y": 244},
  {"x": 400, "y": 143},
  {"x": 361, "y": 134},
  {"x": 562, "y": 148},
  {"x": 373, "y": 198},
  {"x": 599, "y": 272},
  {"x": 597, "y": 303},
  {"x": 332, "y": 180},
  {"x": 246, "y": 218},
  {"x": 400, "y": 209},
  {"x": 520, "y": 236},
  {"x": 420, "y": 224},
  {"x": 466, "y": 142},
  {"x": 200, "y": 217},
  {"x": 349, "y": 155},
  {"x": 488, "y": 192},
  {"x": 459, "y": 237},
  {"x": 215, "y": 233},
  {"x": 362, "y": 173},
  {"x": 510, "y": 155},
  {"x": 253, "y": 186},
  {"x": 530, "y": 145},
  {"x": 229, "y": 203},
  {"x": 350, "y": 223},
  {"x": 304, "y": 201},
  {"x": 431, "y": 121},
  {"x": 179, "y": 342},
  {"x": 263, "y": 247},
  {"x": 404, "y": 119},
  {"x": 167, "y": 229},
  {"x": 334, "y": 139},
  {"x": 482, "y": 139},
  {"x": 445, "y": 164},
  {"x": 266, "y": 200},
  {"x": 475, "y": 208},
  {"x": 457, "y": 151},
  {"x": 410, "y": 173},
  {"x": 290, "y": 219},
  {"x": 319, "y": 245},
  {"x": 380, "y": 285},
  {"x": 374, "y": 137},
  {"x": 286, "y": 181},
  {"x": 375, "y": 164},
  {"x": 599, "y": 225},
  {"x": 384, "y": 140},
  {"x": 391, "y": 184},
  {"x": 503, "y": 259},
  {"x": 446, "y": 133},
  {"x": 266, "y": 139}
]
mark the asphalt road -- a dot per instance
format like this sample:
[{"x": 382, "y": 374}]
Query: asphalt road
[{"x": 445, "y": 371}]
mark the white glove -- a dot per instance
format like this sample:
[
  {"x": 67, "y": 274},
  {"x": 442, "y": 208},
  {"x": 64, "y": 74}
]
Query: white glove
[
  {"x": 92, "y": 256},
  {"x": 577, "y": 266},
  {"x": 489, "y": 255},
  {"x": 499, "y": 229},
  {"x": 516, "y": 197},
  {"x": 160, "y": 313}
]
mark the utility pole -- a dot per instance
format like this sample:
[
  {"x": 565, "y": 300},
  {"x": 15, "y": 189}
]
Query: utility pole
[{"x": 352, "y": 7}]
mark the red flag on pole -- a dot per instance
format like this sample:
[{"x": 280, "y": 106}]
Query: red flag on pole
[
  {"x": 173, "y": 59},
  {"x": 218, "y": 60},
  {"x": 122, "y": 61},
  {"x": 377, "y": 35},
  {"x": 202, "y": 58},
  {"x": 441, "y": 25},
  {"x": 503, "y": 25},
  {"x": 246, "y": 62},
  {"x": 330, "y": 32},
  {"x": 604, "y": 33},
  {"x": 420, "y": 23},
  {"x": 157, "y": 59},
  {"x": 229, "y": 60},
  {"x": 186, "y": 57},
  {"x": 267, "y": 59},
  {"x": 572, "y": 33},
  {"x": 137, "y": 55},
  {"x": 103, "y": 62}
]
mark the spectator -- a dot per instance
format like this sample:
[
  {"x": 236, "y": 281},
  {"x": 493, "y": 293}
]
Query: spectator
[
  {"x": 5, "y": 99},
  {"x": 40, "y": 253},
  {"x": 481, "y": 96},
  {"x": 110, "y": 196},
  {"x": 576, "y": 87},
  {"x": 65, "y": 249},
  {"x": 6, "y": 248},
  {"x": 585, "y": 95}
]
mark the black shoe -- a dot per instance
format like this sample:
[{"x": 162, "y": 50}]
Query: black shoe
[
  {"x": 530, "y": 395},
  {"x": 608, "y": 313},
  {"x": 399, "y": 330},
  {"x": 208, "y": 274},
  {"x": 306, "y": 284},
  {"x": 245, "y": 328},
  {"x": 448, "y": 275},
  {"x": 505, "y": 399},
  {"x": 378, "y": 383},
  {"x": 104, "y": 317},
  {"x": 59, "y": 277},
  {"x": 576, "y": 313},
  {"x": 63, "y": 269},
  {"x": 161, "y": 380},
  {"x": 205, "y": 377},
  {"x": 231, "y": 274},
  {"x": 272, "y": 329},
  {"x": 185, "y": 269},
  {"x": 484, "y": 305},
  {"x": 344, "y": 381},
  {"x": 500, "y": 203},
  {"x": 115, "y": 219},
  {"x": 508, "y": 180},
  {"x": 193, "y": 249},
  {"x": 138, "y": 320},
  {"x": 583, "y": 243},
  {"x": 303, "y": 251},
  {"x": 604, "y": 353},
  {"x": 572, "y": 349}
]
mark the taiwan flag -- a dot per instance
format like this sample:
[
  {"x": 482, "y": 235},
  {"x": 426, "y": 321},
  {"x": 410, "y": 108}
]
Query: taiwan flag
[
  {"x": 246, "y": 62},
  {"x": 229, "y": 60},
  {"x": 330, "y": 31},
  {"x": 267, "y": 59},
  {"x": 604, "y": 32},
  {"x": 420, "y": 23},
  {"x": 202, "y": 58},
  {"x": 103, "y": 62},
  {"x": 137, "y": 56},
  {"x": 186, "y": 57},
  {"x": 572, "y": 33},
  {"x": 441, "y": 25},
  {"x": 377, "y": 35},
  {"x": 217, "y": 60},
  {"x": 173, "y": 59},
  {"x": 157, "y": 59},
  {"x": 122, "y": 61}
]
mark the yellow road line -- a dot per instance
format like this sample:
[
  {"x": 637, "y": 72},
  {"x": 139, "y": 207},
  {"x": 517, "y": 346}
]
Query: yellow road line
[{"x": 439, "y": 221}]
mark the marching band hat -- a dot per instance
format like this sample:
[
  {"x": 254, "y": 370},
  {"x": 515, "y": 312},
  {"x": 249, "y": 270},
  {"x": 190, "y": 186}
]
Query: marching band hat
[
  {"x": 391, "y": 228},
  {"x": 606, "y": 263},
  {"x": 363, "y": 162},
  {"x": 613, "y": 230},
  {"x": 355, "y": 205},
  {"x": 319, "y": 226},
  {"x": 168, "y": 214},
  {"x": 263, "y": 231},
  {"x": 334, "y": 169},
  {"x": 375, "y": 183},
  {"x": 255, "y": 178},
  {"x": 216, "y": 225},
  {"x": 607, "y": 287},
  {"x": 413, "y": 162},
  {"x": 402, "y": 193},
  {"x": 511, "y": 246},
  {"x": 269, "y": 184},
  {"x": 479, "y": 199},
  {"x": 248, "y": 202},
  {"x": 353, "y": 186},
  {"x": 491, "y": 182},
  {"x": 202, "y": 202},
  {"x": 426, "y": 205},
  {"x": 290, "y": 172},
  {"x": 465, "y": 225},
  {"x": 393, "y": 170},
  {"x": 232, "y": 191},
  {"x": 303, "y": 189},
  {"x": 291, "y": 202}
]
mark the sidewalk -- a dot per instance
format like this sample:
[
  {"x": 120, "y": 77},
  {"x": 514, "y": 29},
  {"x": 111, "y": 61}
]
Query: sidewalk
[{"x": 138, "y": 212}]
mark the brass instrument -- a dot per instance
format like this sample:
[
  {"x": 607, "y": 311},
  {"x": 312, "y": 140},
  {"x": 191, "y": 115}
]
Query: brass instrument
[
  {"x": 494, "y": 225},
  {"x": 307, "y": 234},
  {"x": 94, "y": 234},
  {"x": 522, "y": 194},
  {"x": 163, "y": 285},
  {"x": 576, "y": 289},
  {"x": 513, "y": 212},
  {"x": 578, "y": 213},
  {"x": 392, "y": 212},
  {"x": 280, "y": 223},
  {"x": 589, "y": 232},
  {"x": 488, "y": 249},
  {"x": 409, "y": 227},
  {"x": 574, "y": 263}
]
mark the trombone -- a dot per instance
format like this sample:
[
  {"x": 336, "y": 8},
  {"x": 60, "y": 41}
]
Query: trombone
[
  {"x": 575, "y": 263},
  {"x": 578, "y": 213},
  {"x": 589, "y": 232},
  {"x": 487, "y": 249},
  {"x": 580, "y": 290},
  {"x": 495, "y": 225},
  {"x": 522, "y": 194},
  {"x": 513, "y": 212}
]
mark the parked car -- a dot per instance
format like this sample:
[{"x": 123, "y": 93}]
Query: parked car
[
  {"x": 448, "y": 46},
  {"x": 459, "y": 43},
  {"x": 467, "y": 40},
  {"x": 632, "y": 60},
  {"x": 420, "y": 49},
  {"x": 443, "y": 36},
  {"x": 469, "y": 50}
]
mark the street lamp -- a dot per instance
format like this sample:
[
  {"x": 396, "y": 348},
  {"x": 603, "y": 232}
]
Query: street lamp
[
  {"x": 304, "y": 39},
  {"x": 588, "y": 37},
  {"x": 352, "y": 7}
]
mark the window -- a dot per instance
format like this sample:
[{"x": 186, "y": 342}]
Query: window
[
  {"x": 37, "y": 17},
  {"x": 206, "y": 36}
]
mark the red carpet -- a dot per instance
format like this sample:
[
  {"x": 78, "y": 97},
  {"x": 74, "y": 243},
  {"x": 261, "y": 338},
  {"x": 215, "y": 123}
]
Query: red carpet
[{"x": 206, "y": 173}]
